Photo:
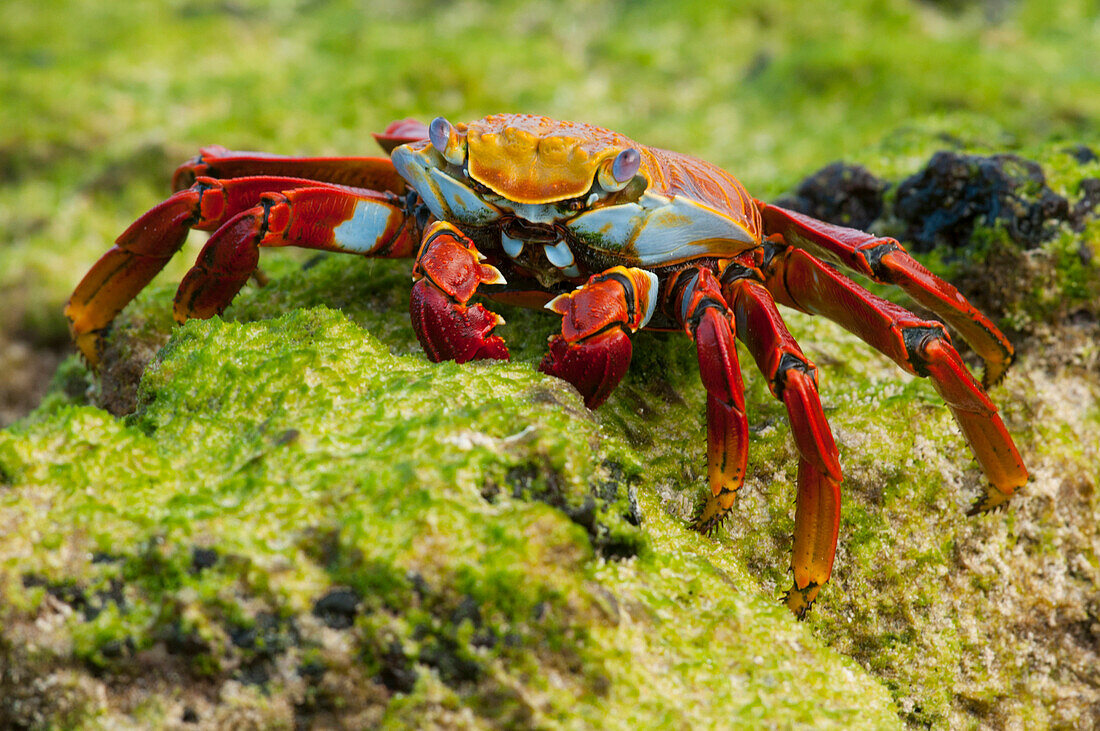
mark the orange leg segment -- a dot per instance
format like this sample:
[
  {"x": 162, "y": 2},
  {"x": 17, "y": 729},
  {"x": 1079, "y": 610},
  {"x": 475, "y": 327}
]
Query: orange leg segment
[
  {"x": 792, "y": 379},
  {"x": 919, "y": 346},
  {"x": 816, "y": 526},
  {"x": 707, "y": 320},
  {"x": 884, "y": 260}
]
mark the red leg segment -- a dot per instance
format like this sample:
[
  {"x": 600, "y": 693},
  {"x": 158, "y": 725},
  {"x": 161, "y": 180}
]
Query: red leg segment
[
  {"x": 593, "y": 350},
  {"x": 400, "y": 133},
  {"x": 372, "y": 173},
  {"x": 146, "y": 247},
  {"x": 706, "y": 319},
  {"x": 326, "y": 218},
  {"x": 919, "y": 346},
  {"x": 792, "y": 379},
  {"x": 884, "y": 260},
  {"x": 447, "y": 274}
]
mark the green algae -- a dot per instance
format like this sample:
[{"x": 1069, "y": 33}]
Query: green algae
[
  {"x": 316, "y": 452},
  {"x": 271, "y": 464}
]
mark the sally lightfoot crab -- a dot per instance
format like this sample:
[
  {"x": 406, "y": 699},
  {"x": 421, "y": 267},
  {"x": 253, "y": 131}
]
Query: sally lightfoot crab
[{"x": 610, "y": 235}]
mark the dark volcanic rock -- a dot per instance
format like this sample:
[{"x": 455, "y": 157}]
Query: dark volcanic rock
[
  {"x": 943, "y": 202},
  {"x": 848, "y": 195}
]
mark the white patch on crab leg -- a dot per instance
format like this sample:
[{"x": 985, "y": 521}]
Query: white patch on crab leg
[
  {"x": 360, "y": 234},
  {"x": 559, "y": 254},
  {"x": 651, "y": 297},
  {"x": 512, "y": 247},
  {"x": 551, "y": 304},
  {"x": 571, "y": 272}
]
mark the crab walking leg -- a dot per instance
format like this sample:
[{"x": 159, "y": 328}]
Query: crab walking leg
[
  {"x": 326, "y": 218},
  {"x": 792, "y": 379},
  {"x": 884, "y": 260},
  {"x": 706, "y": 319},
  {"x": 816, "y": 526},
  {"x": 447, "y": 274},
  {"x": 593, "y": 350},
  {"x": 149, "y": 243},
  {"x": 401, "y": 132},
  {"x": 919, "y": 346},
  {"x": 372, "y": 173}
]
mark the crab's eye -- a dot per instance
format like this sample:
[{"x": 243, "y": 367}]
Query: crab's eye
[
  {"x": 626, "y": 165},
  {"x": 614, "y": 176},
  {"x": 447, "y": 141}
]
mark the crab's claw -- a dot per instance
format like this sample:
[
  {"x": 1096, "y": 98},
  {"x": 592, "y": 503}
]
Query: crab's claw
[{"x": 447, "y": 274}]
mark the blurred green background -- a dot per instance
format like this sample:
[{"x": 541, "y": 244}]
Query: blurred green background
[{"x": 101, "y": 100}]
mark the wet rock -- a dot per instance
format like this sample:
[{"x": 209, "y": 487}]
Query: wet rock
[
  {"x": 182, "y": 642},
  {"x": 942, "y": 203},
  {"x": 453, "y": 663},
  {"x": 202, "y": 558},
  {"x": 1087, "y": 205},
  {"x": 543, "y": 483},
  {"x": 1082, "y": 154},
  {"x": 848, "y": 195},
  {"x": 338, "y": 608}
]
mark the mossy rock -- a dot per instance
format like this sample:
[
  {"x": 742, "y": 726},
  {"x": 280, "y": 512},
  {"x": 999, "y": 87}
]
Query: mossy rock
[
  {"x": 296, "y": 518},
  {"x": 298, "y": 526}
]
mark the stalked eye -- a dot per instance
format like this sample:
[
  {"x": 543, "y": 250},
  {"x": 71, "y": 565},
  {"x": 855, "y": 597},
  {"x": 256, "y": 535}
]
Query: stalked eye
[
  {"x": 447, "y": 141},
  {"x": 614, "y": 176},
  {"x": 626, "y": 165}
]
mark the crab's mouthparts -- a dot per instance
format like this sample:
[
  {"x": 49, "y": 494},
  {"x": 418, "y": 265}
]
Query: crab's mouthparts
[{"x": 518, "y": 228}]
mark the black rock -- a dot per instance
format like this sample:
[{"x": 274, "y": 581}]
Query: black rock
[{"x": 942, "y": 203}]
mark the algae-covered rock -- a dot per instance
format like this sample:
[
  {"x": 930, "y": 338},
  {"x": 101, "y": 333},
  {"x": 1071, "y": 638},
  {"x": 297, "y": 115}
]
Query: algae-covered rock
[
  {"x": 296, "y": 519},
  {"x": 297, "y": 526}
]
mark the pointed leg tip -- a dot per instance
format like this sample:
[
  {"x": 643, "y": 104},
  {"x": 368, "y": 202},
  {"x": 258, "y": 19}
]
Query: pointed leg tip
[
  {"x": 801, "y": 601},
  {"x": 90, "y": 345},
  {"x": 992, "y": 501},
  {"x": 995, "y": 371},
  {"x": 711, "y": 515}
]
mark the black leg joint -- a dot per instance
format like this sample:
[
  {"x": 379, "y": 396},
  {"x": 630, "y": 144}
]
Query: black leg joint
[
  {"x": 916, "y": 340},
  {"x": 873, "y": 256},
  {"x": 786, "y": 363},
  {"x": 735, "y": 271},
  {"x": 684, "y": 289},
  {"x": 769, "y": 251}
]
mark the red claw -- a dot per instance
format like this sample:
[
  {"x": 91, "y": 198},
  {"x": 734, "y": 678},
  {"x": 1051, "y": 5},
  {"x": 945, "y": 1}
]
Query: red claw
[
  {"x": 594, "y": 366},
  {"x": 451, "y": 331},
  {"x": 448, "y": 272}
]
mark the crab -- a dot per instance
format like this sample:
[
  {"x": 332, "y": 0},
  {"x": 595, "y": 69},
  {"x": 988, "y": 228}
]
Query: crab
[{"x": 610, "y": 235}]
